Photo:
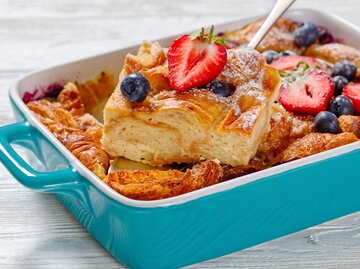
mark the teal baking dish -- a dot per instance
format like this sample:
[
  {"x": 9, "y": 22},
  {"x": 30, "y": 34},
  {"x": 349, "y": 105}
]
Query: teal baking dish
[{"x": 196, "y": 226}]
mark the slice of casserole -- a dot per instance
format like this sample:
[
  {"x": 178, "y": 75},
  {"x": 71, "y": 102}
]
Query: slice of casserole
[{"x": 197, "y": 124}]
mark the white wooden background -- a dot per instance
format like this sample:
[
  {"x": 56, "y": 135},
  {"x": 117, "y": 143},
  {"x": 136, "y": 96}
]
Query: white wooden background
[{"x": 35, "y": 230}]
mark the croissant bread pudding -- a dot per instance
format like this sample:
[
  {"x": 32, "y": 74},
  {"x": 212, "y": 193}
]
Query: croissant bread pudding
[
  {"x": 208, "y": 109},
  {"x": 192, "y": 125}
]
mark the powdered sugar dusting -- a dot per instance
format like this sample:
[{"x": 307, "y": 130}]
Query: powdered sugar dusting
[{"x": 243, "y": 65}]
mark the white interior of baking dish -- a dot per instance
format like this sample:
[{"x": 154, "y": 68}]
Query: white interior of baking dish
[{"x": 86, "y": 69}]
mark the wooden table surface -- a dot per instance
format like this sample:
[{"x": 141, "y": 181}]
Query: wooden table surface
[{"x": 35, "y": 229}]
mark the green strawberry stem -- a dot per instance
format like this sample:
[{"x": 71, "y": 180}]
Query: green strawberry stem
[
  {"x": 208, "y": 38},
  {"x": 290, "y": 76}
]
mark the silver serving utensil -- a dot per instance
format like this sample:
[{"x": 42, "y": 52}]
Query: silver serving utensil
[{"x": 280, "y": 7}]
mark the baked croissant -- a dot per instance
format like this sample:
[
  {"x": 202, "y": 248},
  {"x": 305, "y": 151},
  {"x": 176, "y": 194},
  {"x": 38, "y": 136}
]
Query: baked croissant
[
  {"x": 64, "y": 126},
  {"x": 335, "y": 52},
  {"x": 350, "y": 124},
  {"x": 156, "y": 184},
  {"x": 285, "y": 128},
  {"x": 314, "y": 143},
  {"x": 70, "y": 100},
  {"x": 242, "y": 170},
  {"x": 85, "y": 149},
  {"x": 279, "y": 38}
]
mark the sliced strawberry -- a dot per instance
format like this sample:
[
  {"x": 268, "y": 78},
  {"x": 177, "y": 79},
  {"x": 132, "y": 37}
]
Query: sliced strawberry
[
  {"x": 352, "y": 91},
  {"x": 291, "y": 62},
  {"x": 309, "y": 93},
  {"x": 196, "y": 59}
]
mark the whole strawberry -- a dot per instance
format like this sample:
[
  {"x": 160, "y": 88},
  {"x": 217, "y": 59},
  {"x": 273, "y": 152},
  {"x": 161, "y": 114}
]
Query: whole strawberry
[{"x": 195, "y": 60}]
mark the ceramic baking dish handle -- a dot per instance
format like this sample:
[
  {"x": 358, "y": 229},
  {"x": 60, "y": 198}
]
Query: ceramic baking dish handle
[{"x": 60, "y": 181}]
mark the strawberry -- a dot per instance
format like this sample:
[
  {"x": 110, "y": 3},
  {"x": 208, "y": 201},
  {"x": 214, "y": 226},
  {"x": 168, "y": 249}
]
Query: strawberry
[
  {"x": 195, "y": 60},
  {"x": 308, "y": 93},
  {"x": 292, "y": 61},
  {"x": 352, "y": 91}
]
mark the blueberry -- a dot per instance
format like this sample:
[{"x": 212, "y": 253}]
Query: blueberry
[
  {"x": 341, "y": 105},
  {"x": 135, "y": 87},
  {"x": 219, "y": 87},
  {"x": 287, "y": 53},
  {"x": 326, "y": 122},
  {"x": 306, "y": 34},
  {"x": 271, "y": 55},
  {"x": 344, "y": 68},
  {"x": 339, "y": 83}
]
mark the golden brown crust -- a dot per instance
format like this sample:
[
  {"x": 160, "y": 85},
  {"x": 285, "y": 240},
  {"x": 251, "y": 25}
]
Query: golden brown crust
[
  {"x": 150, "y": 62},
  {"x": 279, "y": 38},
  {"x": 52, "y": 112},
  {"x": 85, "y": 149},
  {"x": 314, "y": 143},
  {"x": 95, "y": 93},
  {"x": 277, "y": 139},
  {"x": 301, "y": 126},
  {"x": 350, "y": 124},
  {"x": 335, "y": 52},
  {"x": 70, "y": 99},
  {"x": 81, "y": 143},
  {"x": 242, "y": 170},
  {"x": 91, "y": 125},
  {"x": 155, "y": 184},
  {"x": 285, "y": 128}
]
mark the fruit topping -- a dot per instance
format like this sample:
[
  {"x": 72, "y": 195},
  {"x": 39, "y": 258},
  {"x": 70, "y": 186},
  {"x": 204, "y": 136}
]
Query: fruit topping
[
  {"x": 219, "y": 87},
  {"x": 341, "y": 105},
  {"x": 51, "y": 91},
  {"x": 195, "y": 60},
  {"x": 339, "y": 83},
  {"x": 344, "y": 68},
  {"x": 352, "y": 90},
  {"x": 135, "y": 87},
  {"x": 271, "y": 55},
  {"x": 306, "y": 34},
  {"x": 307, "y": 92},
  {"x": 292, "y": 61},
  {"x": 326, "y": 122},
  {"x": 325, "y": 37}
]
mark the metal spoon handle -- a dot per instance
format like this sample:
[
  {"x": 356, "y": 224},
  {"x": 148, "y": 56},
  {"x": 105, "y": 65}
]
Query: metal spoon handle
[{"x": 280, "y": 7}]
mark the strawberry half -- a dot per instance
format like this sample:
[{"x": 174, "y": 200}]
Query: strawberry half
[
  {"x": 195, "y": 60},
  {"x": 292, "y": 61},
  {"x": 309, "y": 93},
  {"x": 352, "y": 91}
]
